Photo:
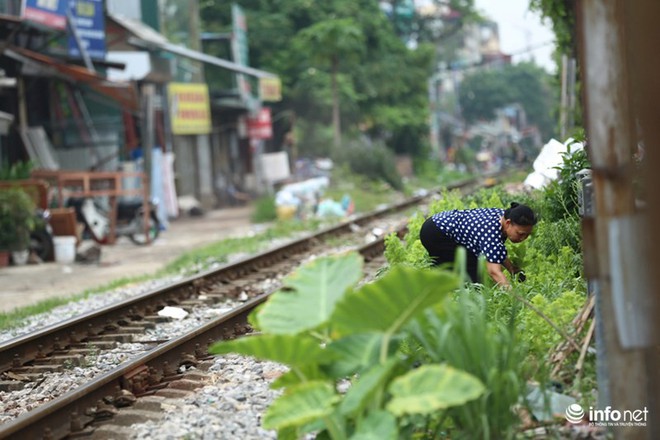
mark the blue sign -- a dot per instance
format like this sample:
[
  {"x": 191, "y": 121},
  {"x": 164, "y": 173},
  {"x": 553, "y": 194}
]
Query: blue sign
[
  {"x": 51, "y": 13},
  {"x": 89, "y": 21}
]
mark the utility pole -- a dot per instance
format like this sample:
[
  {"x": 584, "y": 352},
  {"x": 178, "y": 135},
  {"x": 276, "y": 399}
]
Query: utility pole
[{"x": 616, "y": 39}]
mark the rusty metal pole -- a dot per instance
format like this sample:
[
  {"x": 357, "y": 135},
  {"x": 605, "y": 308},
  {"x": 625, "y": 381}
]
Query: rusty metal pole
[
  {"x": 622, "y": 242},
  {"x": 642, "y": 18}
]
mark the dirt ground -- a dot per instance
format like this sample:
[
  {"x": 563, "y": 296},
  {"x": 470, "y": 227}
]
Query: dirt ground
[{"x": 25, "y": 285}]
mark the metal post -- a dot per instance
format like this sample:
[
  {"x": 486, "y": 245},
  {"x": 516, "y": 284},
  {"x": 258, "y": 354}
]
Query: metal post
[
  {"x": 76, "y": 36},
  {"x": 642, "y": 18},
  {"x": 564, "y": 97}
]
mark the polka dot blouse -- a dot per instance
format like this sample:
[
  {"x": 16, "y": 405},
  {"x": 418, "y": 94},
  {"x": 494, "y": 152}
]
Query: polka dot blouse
[{"x": 479, "y": 230}]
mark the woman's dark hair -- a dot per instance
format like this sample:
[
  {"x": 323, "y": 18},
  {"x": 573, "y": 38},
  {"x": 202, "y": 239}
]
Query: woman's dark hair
[{"x": 520, "y": 214}]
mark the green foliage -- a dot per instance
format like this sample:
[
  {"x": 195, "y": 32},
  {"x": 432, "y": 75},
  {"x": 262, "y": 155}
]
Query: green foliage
[
  {"x": 410, "y": 251},
  {"x": 264, "y": 210},
  {"x": 329, "y": 41},
  {"x": 374, "y": 162},
  {"x": 308, "y": 44},
  {"x": 561, "y": 14},
  {"x": 467, "y": 338},
  {"x": 298, "y": 311},
  {"x": 551, "y": 258},
  {"x": 16, "y": 219},
  {"x": 17, "y": 171},
  {"x": 537, "y": 333},
  {"x": 366, "y": 194},
  {"x": 455, "y": 387},
  {"x": 485, "y": 91},
  {"x": 301, "y": 404},
  {"x": 357, "y": 340},
  {"x": 561, "y": 195}
]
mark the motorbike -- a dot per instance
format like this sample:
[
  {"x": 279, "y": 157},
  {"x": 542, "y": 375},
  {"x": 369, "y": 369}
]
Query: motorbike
[{"x": 130, "y": 220}]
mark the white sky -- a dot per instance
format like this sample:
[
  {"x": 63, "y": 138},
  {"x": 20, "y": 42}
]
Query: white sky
[{"x": 520, "y": 30}]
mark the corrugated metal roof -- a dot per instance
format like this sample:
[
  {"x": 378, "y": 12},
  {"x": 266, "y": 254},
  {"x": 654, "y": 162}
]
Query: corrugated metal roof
[
  {"x": 122, "y": 92},
  {"x": 147, "y": 38}
]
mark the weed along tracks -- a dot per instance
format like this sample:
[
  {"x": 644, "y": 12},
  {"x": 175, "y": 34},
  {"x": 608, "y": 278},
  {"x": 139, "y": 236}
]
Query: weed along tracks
[{"x": 97, "y": 374}]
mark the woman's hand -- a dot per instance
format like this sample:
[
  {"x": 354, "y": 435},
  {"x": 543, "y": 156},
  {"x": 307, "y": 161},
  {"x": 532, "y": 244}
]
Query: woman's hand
[
  {"x": 495, "y": 272},
  {"x": 516, "y": 273}
]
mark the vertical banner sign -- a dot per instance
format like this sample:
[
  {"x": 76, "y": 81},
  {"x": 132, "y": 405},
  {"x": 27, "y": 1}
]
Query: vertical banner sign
[
  {"x": 51, "y": 13},
  {"x": 239, "y": 48},
  {"x": 239, "y": 37},
  {"x": 261, "y": 127},
  {"x": 190, "y": 110},
  {"x": 88, "y": 18}
]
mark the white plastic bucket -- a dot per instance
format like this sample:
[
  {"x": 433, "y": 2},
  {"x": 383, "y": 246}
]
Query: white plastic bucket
[{"x": 65, "y": 249}]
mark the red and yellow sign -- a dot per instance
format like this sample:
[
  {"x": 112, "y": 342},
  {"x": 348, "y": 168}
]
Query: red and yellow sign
[
  {"x": 270, "y": 88},
  {"x": 261, "y": 126},
  {"x": 190, "y": 109}
]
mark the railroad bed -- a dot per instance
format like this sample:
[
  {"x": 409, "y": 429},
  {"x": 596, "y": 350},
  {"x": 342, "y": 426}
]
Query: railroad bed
[{"x": 78, "y": 363}]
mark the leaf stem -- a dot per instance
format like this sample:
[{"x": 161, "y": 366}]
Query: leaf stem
[{"x": 552, "y": 324}]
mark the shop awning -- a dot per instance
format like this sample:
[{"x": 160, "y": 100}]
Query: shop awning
[
  {"x": 202, "y": 57},
  {"x": 144, "y": 37},
  {"x": 42, "y": 65}
]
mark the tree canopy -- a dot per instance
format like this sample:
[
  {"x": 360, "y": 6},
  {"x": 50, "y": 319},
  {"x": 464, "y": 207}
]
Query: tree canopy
[
  {"x": 349, "y": 63},
  {"x": 527, "y": 84},
  {"x": 381, "y": 85}
]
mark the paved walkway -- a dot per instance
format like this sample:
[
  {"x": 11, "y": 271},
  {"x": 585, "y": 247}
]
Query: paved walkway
[{"x": 25, "y": 285}]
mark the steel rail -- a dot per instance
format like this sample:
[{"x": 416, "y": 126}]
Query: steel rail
[
  {"x": 26, "y": 349},
  {"x": 72, "y": 414}
]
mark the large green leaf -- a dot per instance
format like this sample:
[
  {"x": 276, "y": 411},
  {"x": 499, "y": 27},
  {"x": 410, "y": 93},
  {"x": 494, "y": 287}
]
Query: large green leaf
[
  {"x": 378, "y": 425},
  {"x": 354, "y": 353},
  {"x": 387, "y": 304},
  {"x": 432, "y": 387},
  {"x": 301, "y": 404},
  {"x": 299, "y": 374},
  {"x": 366, "y": 387},
  {"x": 310, "y": 295},
  {"x": 292, "y": 350}
]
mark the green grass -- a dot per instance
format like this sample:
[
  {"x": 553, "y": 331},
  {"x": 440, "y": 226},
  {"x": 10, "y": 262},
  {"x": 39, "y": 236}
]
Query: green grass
[
  {"x": 188, "y": 263},
  {"x": 219, "y": 252},
  {"x": 366, "y": 194},
  {"x": 17, "y": 316}
]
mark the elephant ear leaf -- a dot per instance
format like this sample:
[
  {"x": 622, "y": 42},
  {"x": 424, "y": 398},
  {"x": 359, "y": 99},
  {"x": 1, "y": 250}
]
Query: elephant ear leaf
[
  {"x": 296, "y": 351},
  {"x": 309, "y": 295},
  {"x": 300, "y": 405},
  {"x": 378, "y": 425},
  {"x": 389, "y": 303},
  {"x": 431, "y": 388}
]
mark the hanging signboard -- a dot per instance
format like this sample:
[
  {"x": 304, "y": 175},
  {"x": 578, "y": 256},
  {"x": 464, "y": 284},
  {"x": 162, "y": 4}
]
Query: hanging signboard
[
  {"x": 88, "y": 18},
  {"x": 51, "y": 13},
  {"x": 190, "y": 110},
  {"x": 261, "y": 127},
  {"x": 270, "y": 88}
]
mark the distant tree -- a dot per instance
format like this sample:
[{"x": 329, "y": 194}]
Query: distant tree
[
  {"x": 484, "y": 91},
  {"x": 382, "y": 85},
  {"x": 334, "y": 42}
]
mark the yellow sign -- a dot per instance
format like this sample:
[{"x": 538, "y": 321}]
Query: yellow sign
[
  {"x": 190, "y": 109},
  {"x": 270, "y": 88}
]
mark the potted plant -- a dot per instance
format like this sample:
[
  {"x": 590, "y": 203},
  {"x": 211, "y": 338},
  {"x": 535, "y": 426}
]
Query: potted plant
[{"x": 16, "y": 221}]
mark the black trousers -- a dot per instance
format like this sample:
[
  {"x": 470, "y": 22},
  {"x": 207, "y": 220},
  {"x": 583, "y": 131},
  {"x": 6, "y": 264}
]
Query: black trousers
[{"x": 442, "y": 248}]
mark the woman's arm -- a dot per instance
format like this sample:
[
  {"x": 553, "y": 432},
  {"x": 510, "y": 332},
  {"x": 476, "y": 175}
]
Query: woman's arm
[
  {"x": 495, "y": 272},
  {"x": 510, "y": 267}
]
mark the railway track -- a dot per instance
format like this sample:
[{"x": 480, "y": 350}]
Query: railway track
[{"x": 26, "y": 360}]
